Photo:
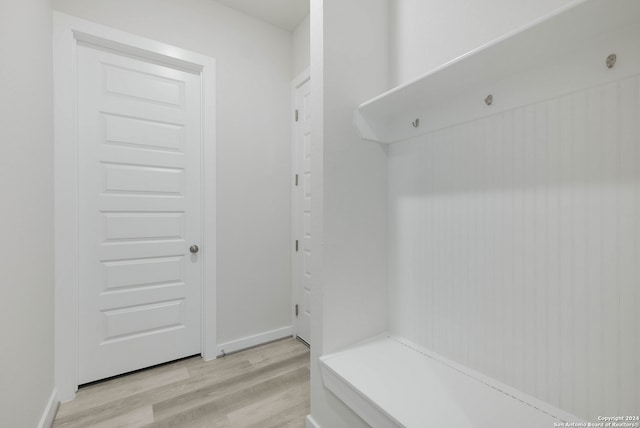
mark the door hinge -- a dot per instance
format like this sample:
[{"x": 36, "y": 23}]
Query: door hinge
[
  {"x": 296, "y": 179},
  {"x": 296, "y": 309},
  {"x": 296, "y": 115},
  {"x": 296, "y": 245}
]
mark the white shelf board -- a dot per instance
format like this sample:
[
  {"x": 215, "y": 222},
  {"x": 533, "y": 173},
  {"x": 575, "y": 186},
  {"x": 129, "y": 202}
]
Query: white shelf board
[
  {"x": 391, "y": 382},
  {"x": 559, "y": 53}
]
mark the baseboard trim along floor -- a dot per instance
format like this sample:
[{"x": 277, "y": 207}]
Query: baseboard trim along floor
[{"x": 49, "y": 414}]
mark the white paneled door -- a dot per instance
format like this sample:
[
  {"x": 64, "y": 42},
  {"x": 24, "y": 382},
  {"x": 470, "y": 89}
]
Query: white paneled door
[
  {"x": 139, "y": 133},
  {"x": 302, "y": 211}
]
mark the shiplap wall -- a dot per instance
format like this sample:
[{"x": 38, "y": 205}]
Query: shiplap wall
[{"x": 515, "y": 247}]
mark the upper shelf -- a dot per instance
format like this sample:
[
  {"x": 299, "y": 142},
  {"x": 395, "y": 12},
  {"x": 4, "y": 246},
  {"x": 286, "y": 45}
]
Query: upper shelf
[{"x": 559, "y": 53}]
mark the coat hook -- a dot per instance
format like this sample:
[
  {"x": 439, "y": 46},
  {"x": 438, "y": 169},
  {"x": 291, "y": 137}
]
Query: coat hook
[
  {"x": 416, "y": 123},
  {"x": 489, "y": 100},
  {"x": 611, "y": 60}
]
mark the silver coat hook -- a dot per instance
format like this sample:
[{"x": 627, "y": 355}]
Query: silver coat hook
[
  {"x": 611, "y": 60},
  {"x": 416, "y": 123}
]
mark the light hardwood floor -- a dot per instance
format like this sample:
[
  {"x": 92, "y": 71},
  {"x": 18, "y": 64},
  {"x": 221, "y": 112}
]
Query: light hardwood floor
[{"x": 267, "y": 386}]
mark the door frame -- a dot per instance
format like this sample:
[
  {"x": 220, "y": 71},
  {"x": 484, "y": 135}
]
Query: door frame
[
  {"x": 68, "y": 32},
  {"x": 296, "y": 83}
]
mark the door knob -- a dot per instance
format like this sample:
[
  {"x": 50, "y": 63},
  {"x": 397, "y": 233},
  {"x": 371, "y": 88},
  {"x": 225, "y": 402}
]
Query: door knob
[{"x": 194, "y": 249}]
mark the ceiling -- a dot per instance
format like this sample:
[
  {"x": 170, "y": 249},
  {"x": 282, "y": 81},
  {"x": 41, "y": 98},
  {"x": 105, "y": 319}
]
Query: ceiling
[{"x": 285, "y": 14}]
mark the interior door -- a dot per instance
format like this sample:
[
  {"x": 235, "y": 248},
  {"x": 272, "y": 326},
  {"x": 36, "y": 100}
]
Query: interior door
[
  {"x": 139, "y": 190},
  {"x": 302, "y": 211}
]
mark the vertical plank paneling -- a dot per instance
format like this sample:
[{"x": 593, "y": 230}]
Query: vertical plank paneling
[
  {"x": 553, "y": 349},
  {"x": 488, "y": 240},
  {"x": 439, "y": 239},
  {"x": 528, "y": 248},
  {"x": 499, "y": 257},
  {"x": 594, "y": 247},
  {"x": 625, "y": 254},
  {"x": 472, "y": 245},
  {"x": 567, "y": 350},
  {"x": 579, "y": 254},
  {"x": 519, "y": 295},
  {"x": 636, "y": 216},
  {"x": 449, "y": 257},
  {"x": 421, "y": 277},
  {"x": 415, "y": 257},
  {"x": 609, "y": 285},
  {"x": 509, "y": 273},
  {"x": 540, "y": 251},
  {"x": 625, "y": 249},
  {"x": 491, "y": 242},
  {"x": 457, "y": 270},
  {"x": 466, "y": 255},
  {"x": 431, "y": 160},
  {"x": 515, "y": 242}
]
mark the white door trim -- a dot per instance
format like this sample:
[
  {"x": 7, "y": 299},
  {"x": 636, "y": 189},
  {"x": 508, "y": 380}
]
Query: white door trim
[
  {"x": 296, "y": 83},
  {"x": 68, "y": 32}
]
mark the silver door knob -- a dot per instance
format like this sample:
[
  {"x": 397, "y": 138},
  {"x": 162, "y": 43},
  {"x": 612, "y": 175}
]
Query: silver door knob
[{"x": 194, "y": 249}]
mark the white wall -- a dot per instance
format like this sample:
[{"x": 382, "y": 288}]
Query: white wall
[
  {"x": 253, "y": 62},
  {"x": 301, "y": 47},
  {"x": 349, "y": 300},
  {"x": 26, "y": 185},
  {"x": 428, "y": 33}
]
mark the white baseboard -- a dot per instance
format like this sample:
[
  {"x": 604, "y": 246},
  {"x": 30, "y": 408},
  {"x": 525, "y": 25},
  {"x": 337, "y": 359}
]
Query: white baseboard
[
  {"x": 46, "y": 420},
  {"x": 255, "y": 340},
  {"x": 311, "y": 423}
]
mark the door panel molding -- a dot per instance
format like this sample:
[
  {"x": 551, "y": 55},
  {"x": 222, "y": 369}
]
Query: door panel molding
[{"x": 69, "y": 32}]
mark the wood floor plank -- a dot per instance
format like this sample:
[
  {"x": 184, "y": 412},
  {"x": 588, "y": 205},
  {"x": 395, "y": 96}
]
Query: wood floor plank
[
  {"x": 285, "y": 405},
  {"x": 295, "y": 417},
  {"x": 256, "y": 358},
  {"x": 121, "y": 389},
  {"x": 215, "y": 389},
  {"x": 275, "y": 351},
  {"x": 135, "y": 418},
  {"x": 271, "y": 384},
  {"x": 183, "y": 410}
]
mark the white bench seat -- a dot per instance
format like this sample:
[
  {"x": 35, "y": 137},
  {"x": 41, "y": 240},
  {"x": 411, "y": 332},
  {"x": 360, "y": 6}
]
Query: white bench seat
[{"x": 390, "y": 382}]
